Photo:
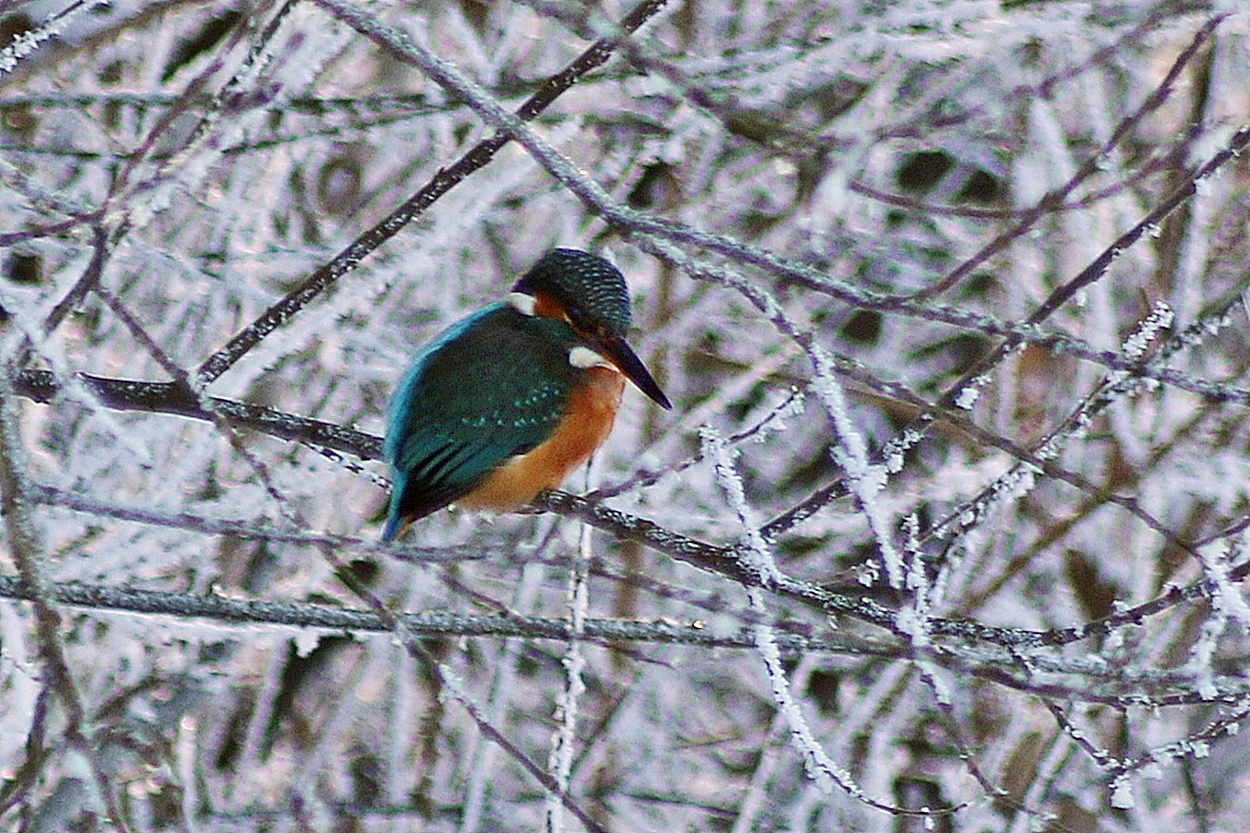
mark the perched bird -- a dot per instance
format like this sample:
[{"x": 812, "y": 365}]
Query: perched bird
[{"x": 508, "y": 401}]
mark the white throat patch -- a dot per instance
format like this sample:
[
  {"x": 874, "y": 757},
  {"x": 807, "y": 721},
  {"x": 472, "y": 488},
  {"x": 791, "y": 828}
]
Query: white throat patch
[
  {"x": 521, "y": 302},
  {"x": 586, "y": 358}
]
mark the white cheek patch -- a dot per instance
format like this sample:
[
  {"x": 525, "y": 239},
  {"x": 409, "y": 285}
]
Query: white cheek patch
[
  {"x": 586, "y": 358},
  {"x": 522, "y": 303}
]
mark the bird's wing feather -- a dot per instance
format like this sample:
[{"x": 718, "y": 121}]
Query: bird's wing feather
[{"x": 493, "y": 386}]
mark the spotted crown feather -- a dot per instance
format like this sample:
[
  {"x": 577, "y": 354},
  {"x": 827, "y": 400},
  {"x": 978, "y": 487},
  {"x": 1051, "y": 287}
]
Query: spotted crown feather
[{"x": 584, "y": 284}]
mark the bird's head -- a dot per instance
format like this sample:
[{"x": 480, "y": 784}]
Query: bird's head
[{"x": 590, "y": 295}]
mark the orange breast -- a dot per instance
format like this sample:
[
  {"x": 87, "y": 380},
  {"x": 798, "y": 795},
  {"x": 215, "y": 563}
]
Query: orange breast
[{"x": 587, "y": 423}]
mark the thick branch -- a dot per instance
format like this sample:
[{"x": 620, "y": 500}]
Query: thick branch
[
  {"x": 166, "y": 397},
  {"x": 426, "y": 624},
  {"x": 170, "y": 398}
]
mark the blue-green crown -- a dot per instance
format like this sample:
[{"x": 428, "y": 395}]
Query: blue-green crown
[{"x": 591, "y": 290}]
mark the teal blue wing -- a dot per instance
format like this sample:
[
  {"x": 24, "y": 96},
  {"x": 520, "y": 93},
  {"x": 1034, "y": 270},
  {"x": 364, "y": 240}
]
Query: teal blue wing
[{"x": 491, "y": 387}]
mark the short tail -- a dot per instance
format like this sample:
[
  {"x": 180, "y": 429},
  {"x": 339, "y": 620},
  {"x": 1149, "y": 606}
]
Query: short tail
[
  {"x": 394, "y": 525},
  {"x": 396, "y": 522}
]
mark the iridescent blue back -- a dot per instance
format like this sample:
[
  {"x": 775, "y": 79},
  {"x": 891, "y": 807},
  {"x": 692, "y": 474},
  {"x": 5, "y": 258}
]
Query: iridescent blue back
[{"x": 491, "y": 386}]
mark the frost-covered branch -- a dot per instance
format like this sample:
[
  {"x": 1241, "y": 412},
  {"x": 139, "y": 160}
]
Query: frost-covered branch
[
  {"x": 175, "y": 400},
  {"x": 28, "y": 554},
  {"x": 443, "y": 181},
  {"x": 948, "y": 227},
  {"x": 805, "y": 276},
  {"x": 233, "y": 612},
  {"x": 169, "y": 398}
]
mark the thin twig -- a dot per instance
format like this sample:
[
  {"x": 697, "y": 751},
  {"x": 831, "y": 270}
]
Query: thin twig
[{"x": 447, "y": 178}]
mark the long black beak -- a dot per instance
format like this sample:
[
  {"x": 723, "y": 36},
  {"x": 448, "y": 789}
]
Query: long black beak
[{"x": 624, "y": 357}]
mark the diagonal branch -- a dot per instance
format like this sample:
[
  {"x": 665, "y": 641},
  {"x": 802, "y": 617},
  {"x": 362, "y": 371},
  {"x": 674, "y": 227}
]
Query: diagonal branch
[
  {"x": 446, "y": 179},
  {"x": 791, "y": 271},
  {"x": 167, "y": 397}
]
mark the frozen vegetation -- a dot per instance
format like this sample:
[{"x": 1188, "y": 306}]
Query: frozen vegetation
[{"x": 946, "y": 531}]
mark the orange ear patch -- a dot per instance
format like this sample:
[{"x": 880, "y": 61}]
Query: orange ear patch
[
  {"x": 548, "y": 307},
  {"x": 587, "y": 423}
]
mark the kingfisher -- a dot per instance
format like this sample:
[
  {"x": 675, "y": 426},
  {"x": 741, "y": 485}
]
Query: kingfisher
[{"x": 510, "y": 400}]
